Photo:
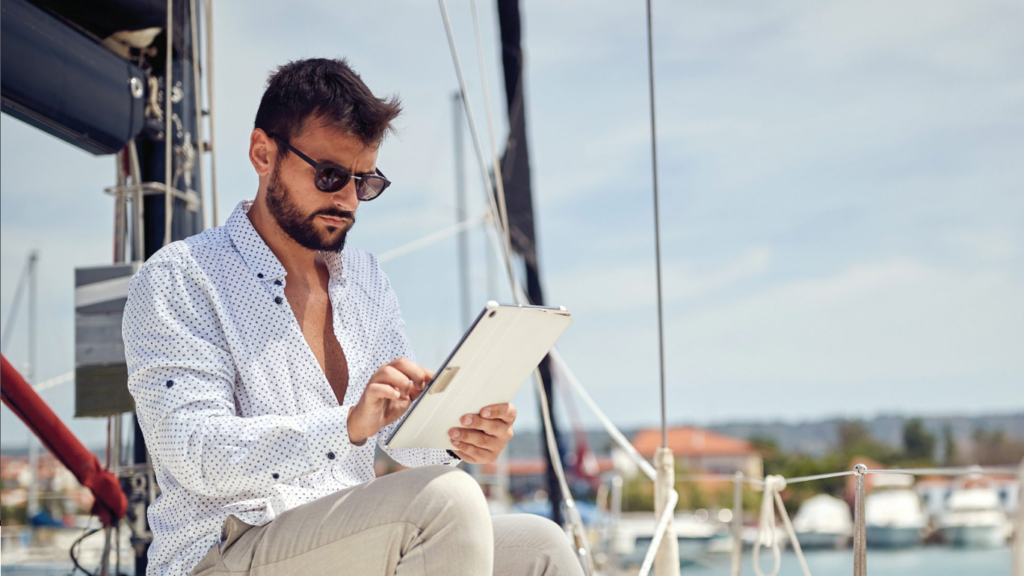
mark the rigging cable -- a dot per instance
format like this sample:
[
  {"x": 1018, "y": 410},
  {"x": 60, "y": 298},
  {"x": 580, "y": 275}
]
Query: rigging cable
[
  {"x": 583, "y": 546},
  {"x": 8, "y": 330},
  {"x": 657, "y": 228},
  {"x": 499, "y": 180}
]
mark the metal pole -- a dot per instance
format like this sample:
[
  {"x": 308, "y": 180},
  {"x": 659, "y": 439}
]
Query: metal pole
[
  {"x": 198, "y": 90},
  {"x": 138, "y": 220},
  {"x": 168, "y": 124},
  {"x": 737, "y": 523},
  {"x": 860, "y": 548},
  {"x": 209, "y": 95},
  {"x": 666, "y": 563},
  {"x": 30, "y": 376},
  {"x": 460, "y": 207},
  {"x": 1017, "y": 557},
  {"x": 615, "y": 513},
  {"x": 120, "y": 209}
]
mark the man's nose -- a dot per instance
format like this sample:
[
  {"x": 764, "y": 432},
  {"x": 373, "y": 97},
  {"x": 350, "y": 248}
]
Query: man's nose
[{"x": 346, "y": 198}]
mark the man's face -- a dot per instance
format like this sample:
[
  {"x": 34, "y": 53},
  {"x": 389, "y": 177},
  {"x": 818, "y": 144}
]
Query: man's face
[{"x": 314, "y": 219}]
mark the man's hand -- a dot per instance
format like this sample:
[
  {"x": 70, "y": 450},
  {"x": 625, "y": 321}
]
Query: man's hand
[
  {"x": 388, "y": 395},
  {"x": 484, "y": 435}
]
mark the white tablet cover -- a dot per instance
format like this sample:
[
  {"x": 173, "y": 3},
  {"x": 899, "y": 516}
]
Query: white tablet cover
[{"x": 498, "y": 354}]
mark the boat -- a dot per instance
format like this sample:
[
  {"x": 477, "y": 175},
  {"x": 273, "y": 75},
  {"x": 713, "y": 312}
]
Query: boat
[
  {"x": 633, "y": 535},
  {"x": 823, "y": 521},
  {"x": 893, "y": 513},
  {"x": 974, "y": 519}
]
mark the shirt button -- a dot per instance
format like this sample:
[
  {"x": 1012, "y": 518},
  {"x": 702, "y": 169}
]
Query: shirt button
[
  {"x": 278, "y": 299},
  {"x": 260, "y": 275},
  {"x": 169, "y": 383},
  {"x": 278, "y": 283},
  {"x": 330, "y": 455},
  {"x": 276, "y": 475}
]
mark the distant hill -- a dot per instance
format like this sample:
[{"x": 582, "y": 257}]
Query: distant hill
[{"x": 812, "y": 437}]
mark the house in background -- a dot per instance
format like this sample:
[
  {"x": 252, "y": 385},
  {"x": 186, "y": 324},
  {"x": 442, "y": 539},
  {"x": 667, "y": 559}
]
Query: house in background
[{"x": 700, "y": 450}]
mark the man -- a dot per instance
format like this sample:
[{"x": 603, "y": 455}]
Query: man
[{"x": 266, "y": 359}]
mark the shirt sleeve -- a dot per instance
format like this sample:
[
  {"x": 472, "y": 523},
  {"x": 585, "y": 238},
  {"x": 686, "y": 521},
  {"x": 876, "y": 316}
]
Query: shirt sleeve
[
  {"x": 182, "y": 377},
  {"x": 393, "y": 344}
]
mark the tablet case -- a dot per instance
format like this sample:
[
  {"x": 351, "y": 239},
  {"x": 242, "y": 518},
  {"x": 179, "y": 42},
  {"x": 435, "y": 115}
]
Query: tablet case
[{"x": 496, "y": 355}]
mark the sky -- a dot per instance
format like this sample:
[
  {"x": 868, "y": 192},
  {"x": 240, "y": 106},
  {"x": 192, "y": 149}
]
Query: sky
[{"x": 841, "y": 196}]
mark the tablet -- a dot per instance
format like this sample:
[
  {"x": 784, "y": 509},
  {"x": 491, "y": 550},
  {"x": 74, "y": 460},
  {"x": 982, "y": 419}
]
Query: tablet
[{"x": 495, "y": 356}]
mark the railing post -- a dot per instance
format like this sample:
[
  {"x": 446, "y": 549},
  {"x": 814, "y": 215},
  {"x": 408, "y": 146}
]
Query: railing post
[
  {"x": 666, "y": 563},
  {"x": 860, "y": 548},
  {"x": 737, "y": 523},
  {"x": 1017, "y": 557}
]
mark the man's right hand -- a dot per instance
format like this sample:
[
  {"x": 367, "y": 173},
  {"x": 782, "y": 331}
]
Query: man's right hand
[{"x": 388, "y": 395}]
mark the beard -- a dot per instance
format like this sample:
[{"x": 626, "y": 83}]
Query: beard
[{"x": 302, "y": 227}]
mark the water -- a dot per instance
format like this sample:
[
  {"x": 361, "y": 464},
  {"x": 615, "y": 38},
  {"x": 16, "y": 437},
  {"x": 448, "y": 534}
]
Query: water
[{"x": 928, "y": 561}]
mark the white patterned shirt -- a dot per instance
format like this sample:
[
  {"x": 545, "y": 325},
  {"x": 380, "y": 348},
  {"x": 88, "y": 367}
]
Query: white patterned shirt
[{"x": 238, "y": 417}]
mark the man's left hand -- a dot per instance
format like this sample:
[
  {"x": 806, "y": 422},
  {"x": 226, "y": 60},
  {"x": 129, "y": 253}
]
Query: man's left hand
[{"x": 484, "y": 435}]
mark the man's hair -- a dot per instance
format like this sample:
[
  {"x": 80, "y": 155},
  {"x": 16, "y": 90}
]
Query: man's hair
[{"x": 325, "y": 90}]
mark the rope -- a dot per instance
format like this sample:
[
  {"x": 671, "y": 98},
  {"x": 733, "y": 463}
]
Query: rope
[
  {"x": 614, "y": 432},
  {"x": 431, "y": 238},
  {"x": 800, "y": 479},
  {"x": 766, "y": 535},
  {"x": 659, "y": 532},
  {"x": 767, "y": 530},
  {"x": 55, "y": 381},
  {"x": 506, "y": 254}
]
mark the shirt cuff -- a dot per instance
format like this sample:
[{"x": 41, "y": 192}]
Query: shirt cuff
[{"x": 327, "y": 440}]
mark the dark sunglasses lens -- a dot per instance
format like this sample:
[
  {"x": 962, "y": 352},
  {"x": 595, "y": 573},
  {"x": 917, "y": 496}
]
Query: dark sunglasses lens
[
  {"x": 370, "y": 187},
  {"x": 331, "y": 178}
]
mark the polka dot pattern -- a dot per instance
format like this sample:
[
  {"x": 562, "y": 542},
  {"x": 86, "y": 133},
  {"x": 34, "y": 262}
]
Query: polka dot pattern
[{"x": 238, "y": 416}]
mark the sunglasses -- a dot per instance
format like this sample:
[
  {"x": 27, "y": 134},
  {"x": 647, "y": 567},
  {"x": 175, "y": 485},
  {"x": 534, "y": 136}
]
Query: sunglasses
[{"x": 331, "y": 177}]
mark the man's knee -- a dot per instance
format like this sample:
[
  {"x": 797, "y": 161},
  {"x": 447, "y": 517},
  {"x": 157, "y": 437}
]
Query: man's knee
[
  {"x": 452, "y": 486},
  {"x": 528, "y": 544}
]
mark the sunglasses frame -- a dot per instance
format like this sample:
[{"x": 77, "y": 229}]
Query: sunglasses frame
[{"x": 318, "y": 166}]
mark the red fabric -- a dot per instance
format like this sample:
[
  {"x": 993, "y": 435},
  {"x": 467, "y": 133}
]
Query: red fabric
[{"x": 111, "y": 503}]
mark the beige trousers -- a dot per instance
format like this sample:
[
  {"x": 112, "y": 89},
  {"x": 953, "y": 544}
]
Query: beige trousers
[{"x": 424, "y": 521}]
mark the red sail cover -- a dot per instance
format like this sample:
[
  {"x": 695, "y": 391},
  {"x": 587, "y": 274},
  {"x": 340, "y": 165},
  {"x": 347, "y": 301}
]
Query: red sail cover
[{"x": 111, "y": 504}]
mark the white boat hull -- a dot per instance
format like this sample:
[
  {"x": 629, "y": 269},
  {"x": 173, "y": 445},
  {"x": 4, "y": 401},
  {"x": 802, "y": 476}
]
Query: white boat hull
[
  {"x": 893, "y": 536},
  {"x": 975, "y": 536},
  {"x": 820, "y": 540}
]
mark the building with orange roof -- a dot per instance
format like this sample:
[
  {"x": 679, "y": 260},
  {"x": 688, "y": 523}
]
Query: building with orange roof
[{"x": 700, "y": 450}]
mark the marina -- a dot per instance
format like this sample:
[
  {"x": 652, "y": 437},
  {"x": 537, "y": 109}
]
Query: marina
[{"x": 724, "y": 344}]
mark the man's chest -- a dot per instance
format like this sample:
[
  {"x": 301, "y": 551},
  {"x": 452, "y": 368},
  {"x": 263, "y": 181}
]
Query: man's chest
[
  {"x": 313, "y": 312},
  {"x": 294, "y": 354}
]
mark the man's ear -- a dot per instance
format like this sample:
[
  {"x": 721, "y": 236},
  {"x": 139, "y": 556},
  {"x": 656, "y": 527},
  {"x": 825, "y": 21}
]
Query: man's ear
[{"x": 262, "y": 152}]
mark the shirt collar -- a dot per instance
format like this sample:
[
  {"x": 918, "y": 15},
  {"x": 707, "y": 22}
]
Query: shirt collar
[{"x": 258, "y": 256}]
